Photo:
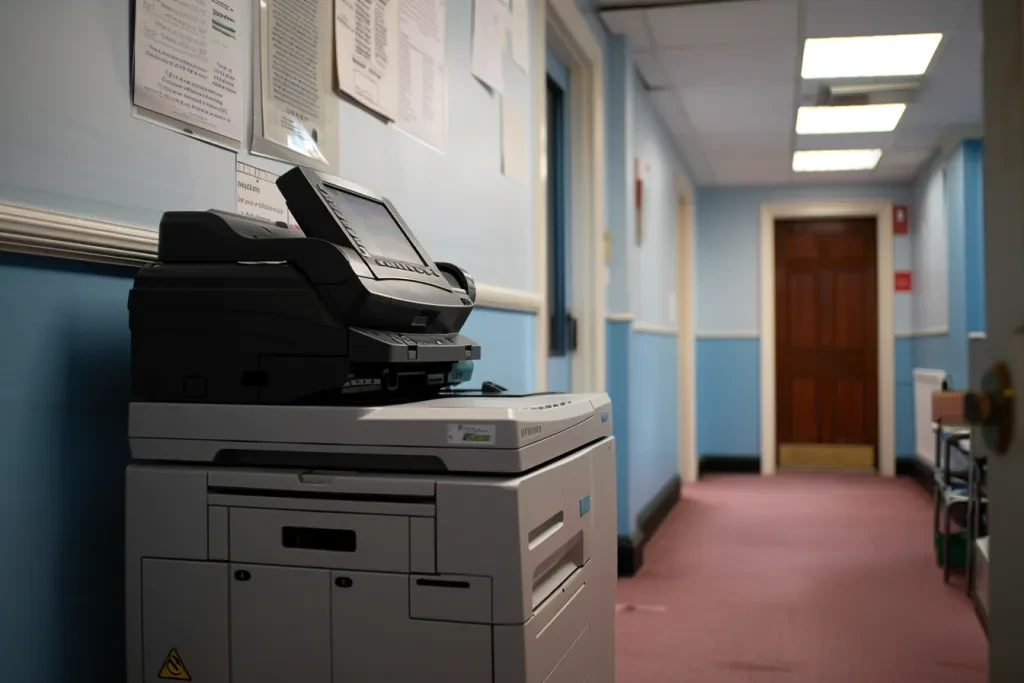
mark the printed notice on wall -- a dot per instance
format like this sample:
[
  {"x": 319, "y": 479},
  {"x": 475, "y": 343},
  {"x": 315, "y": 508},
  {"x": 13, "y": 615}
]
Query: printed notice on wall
[
  {"x": 422, "y": 106},
  {"x": 188, "y": 64},
  {"x": 366, "y": 52},
  {"x": 514, "y": 145},
  {"x": 297, "y": 107},
  {"x": 257, "y": 196},
  {"x": 490, "y": 34},
  {"x": 519, "y": 28}
]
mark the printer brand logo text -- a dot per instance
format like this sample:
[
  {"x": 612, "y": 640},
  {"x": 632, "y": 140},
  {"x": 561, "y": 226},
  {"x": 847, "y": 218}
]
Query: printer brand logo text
[{"x": 398, "y": 265}]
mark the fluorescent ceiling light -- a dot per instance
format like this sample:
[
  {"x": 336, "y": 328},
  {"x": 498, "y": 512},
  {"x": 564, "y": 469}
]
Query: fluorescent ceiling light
[
  {"x": 818, "y": 160},
  {"x": 869, "y": 56},
  {"x": 866, "y": 118}
]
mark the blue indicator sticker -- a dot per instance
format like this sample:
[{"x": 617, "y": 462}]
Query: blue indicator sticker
[
  {"x": 604, "y": 417},
  {"x": 584, "y": 505}
]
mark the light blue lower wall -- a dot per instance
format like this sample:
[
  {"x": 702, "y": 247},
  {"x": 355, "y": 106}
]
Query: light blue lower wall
[
  {"x": 904, "y": 399},
  {"x": 729, "y": 397},
  {"x": 654, "y": 417},
  {"x": 64, "y": 392},
  {"x": 618, "y": 348},
  {"x": 974, "y": 237},
  {"x": 728, "y": 378},
  {"x": 642, "y": 381}
]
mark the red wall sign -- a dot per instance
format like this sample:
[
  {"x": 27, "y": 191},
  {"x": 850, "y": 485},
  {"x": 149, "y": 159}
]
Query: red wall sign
[
  {"x": 903, "y": 281},
  {"x": 900, "y": 222}
]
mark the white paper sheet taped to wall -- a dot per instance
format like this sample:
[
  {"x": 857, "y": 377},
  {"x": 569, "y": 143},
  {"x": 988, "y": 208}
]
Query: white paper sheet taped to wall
[
  {"x": 297, "y": 108},
  {"x": 513, "y": 141},
  {"x": 519, "y": 30},
  {"x": 422, "y": 102},
  {"x": 490, "y": 35},
  {"x": 256, "y": 195},
  {"x": 366, "y": 53},
  {"x": 188, "y": 63}
]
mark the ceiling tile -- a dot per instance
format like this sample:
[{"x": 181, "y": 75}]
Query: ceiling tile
[
  {"x": 751, "y": 172},
  {"x": 629, "y": 23},
  {"x": 649, "y": 66},
  {"x": 755, "y": 111},
  {"x": 721, "y": 145},
  {"x": 905, "y": 158},
  {"x": 914, "y": 135},
  {"x": 731, "y": 65},
  {"x": 763, "y": 95},
  {"x": 666, "y": 100},
  {"x": 951, "y": 93},
  {"x": 739, "y": 122},
  {"x": 831, "y": 178},
  {"x": 696, "y": 157},
  {"x": 847, "y": 141},
  {"x": 724, "y": 23},
  {"x": 829, "y": 18}
]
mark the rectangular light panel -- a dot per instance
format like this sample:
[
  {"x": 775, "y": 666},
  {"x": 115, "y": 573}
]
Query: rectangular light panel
[
  {"x": 869, "y": 56},
  {"x": 867, "y": 118},
  {"x": 824, "y": 160}
]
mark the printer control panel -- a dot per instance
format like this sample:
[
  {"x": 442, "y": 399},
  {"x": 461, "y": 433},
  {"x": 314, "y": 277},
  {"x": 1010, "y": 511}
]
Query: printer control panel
[{"x": 346, "y": 214}]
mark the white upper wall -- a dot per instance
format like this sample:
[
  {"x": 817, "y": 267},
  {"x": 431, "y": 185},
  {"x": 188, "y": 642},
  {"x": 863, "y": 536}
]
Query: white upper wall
[{"x": 69, "y": 143}]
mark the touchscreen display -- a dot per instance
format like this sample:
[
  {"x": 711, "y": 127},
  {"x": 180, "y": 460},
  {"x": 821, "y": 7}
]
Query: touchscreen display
[{"x": 377, "y": 228}]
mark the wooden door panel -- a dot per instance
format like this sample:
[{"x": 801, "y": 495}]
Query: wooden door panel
[
  {"x": 851, "y": 311},
  {"x": 802, "y": 321},
  {"x": 850, "y": 423},
  {"x": 803, "y": 410},
  {"x": 848, "y": 248},
  {"x": 826, "y": 332}
]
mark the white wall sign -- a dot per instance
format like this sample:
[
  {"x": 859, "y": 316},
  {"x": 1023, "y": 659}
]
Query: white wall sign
[
  {"x": 257, "y": 196},
  {"x": 188, "y": 63}
]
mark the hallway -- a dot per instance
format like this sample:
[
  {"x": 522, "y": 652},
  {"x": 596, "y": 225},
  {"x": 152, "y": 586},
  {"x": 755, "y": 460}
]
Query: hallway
[{"x": 802, "y": 578}]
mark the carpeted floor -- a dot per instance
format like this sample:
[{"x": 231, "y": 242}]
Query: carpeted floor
[{"x": 799, "y": 578}]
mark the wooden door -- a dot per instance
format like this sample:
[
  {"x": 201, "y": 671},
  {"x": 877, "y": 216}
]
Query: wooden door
[
  {"x": 1003, "y": 27},
  {"x": 826, "y": 309}
]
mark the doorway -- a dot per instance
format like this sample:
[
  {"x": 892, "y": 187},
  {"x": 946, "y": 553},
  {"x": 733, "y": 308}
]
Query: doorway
[
  {"x": 826, "y": 342},
  {"x": 562, "y": 327}
]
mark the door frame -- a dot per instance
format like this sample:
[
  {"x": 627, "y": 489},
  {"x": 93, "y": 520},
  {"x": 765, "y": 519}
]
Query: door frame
[
  {"x": 881, "y": 211},
  {"x": 686, "y": 345},
  {"x": 560, "y": 25}
]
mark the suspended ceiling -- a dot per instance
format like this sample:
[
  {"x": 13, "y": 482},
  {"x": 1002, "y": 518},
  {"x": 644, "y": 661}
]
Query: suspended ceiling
[{"x": 725, "y": 76}]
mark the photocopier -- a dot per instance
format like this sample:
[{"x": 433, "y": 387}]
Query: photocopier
[{"x": 312, "y": 498}]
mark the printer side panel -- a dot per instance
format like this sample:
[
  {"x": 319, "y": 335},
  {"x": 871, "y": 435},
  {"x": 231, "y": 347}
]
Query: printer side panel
[
  {"x": 604, "y": 551},
  {"x": 548, "y": 541},
  {"x": 165, "y": 517}
]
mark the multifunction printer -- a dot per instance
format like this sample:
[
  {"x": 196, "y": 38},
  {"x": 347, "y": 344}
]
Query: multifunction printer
[{"x": 313, "y": 498}]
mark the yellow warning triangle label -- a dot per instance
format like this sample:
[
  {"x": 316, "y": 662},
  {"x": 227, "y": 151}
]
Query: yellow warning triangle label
[{"x": 173, "y": 668}]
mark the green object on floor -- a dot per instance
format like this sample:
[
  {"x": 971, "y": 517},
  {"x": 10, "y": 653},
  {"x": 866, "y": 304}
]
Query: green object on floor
[{"x": 957, "y": 548}]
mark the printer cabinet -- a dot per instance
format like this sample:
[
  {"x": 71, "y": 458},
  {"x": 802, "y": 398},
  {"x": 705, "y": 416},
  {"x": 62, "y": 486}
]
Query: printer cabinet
[
  {"x": 280, "y": 624},
  {"x": 377, "y": 641},
  {"x": 185, "y": 620}
]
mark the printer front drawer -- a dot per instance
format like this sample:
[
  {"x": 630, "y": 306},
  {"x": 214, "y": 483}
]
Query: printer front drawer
[{"x": 319, "y": 539}]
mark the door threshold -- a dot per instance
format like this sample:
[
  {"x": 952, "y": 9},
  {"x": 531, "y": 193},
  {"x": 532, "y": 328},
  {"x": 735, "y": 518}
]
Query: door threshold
[
  {"x": 845, "y": 456},
  {"x": 825, "y": 469}
]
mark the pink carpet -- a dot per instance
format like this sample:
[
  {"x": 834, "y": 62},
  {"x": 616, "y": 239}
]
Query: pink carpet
[{"x": 799, "y": 578}]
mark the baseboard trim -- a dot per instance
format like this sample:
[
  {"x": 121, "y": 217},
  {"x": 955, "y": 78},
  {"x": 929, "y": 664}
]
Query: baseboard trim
[
  {"x": 919, "y": 470},
  {"x": 729, "y": 464},
  {"x": 631, "y": 547},
  {"x": 631, "y": 554}
]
